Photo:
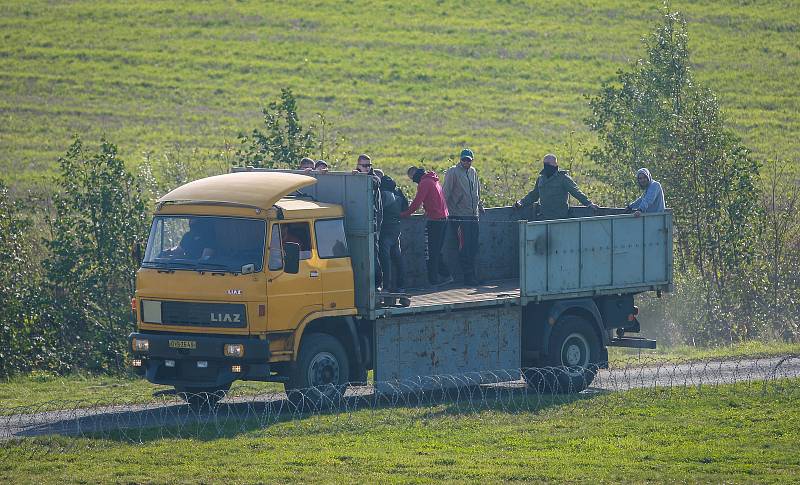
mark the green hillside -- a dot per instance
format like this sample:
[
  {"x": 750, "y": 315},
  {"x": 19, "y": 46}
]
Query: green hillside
[{"x": 401, "y": 81}]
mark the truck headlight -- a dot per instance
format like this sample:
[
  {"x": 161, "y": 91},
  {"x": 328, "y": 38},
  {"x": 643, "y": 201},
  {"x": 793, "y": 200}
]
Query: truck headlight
[
  {"x": 140, "y": 344},
  {"x": 234, "y": 350}
]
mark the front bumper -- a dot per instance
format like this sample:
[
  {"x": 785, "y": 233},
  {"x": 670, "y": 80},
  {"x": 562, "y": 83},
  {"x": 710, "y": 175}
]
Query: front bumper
[{"x": 185, "y": 371}]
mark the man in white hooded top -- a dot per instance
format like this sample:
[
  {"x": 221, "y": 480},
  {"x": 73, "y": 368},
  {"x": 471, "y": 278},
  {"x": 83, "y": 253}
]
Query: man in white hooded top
[{"x": 652, "y": 200}]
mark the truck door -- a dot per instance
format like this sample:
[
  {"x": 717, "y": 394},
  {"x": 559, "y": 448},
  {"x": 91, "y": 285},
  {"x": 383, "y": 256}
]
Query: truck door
[
  {"x": 290, "y": 297},
  {"x": 337, "y": 270}
]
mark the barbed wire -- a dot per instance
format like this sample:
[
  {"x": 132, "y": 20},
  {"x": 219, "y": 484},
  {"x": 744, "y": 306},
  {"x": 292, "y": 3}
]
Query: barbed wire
[{"x": 60, "y": 425}]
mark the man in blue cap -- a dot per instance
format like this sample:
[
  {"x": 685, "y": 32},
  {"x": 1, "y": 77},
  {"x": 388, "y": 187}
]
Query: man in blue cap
[{"x": 462, "y": 191}]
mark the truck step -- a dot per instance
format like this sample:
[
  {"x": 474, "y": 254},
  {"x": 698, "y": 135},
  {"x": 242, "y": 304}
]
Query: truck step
[
  {"x": 633, "y": 343},
  {"x": 387, "y": 299}
]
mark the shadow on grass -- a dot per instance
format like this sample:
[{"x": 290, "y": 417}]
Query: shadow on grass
[{"x": 239, "y": 414}]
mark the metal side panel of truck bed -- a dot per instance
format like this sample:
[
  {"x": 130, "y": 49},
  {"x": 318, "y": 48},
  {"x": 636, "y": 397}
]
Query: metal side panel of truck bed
[{"x": 592, "y": 256}]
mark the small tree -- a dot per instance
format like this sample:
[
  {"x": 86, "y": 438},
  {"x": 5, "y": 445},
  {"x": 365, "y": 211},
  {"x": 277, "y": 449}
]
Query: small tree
[
  {"x": 99, "y": 214},
  {"x": 283, "y": 141},
  {"x": 15, "y": 279},
  {"x": 654, "y": 114}
]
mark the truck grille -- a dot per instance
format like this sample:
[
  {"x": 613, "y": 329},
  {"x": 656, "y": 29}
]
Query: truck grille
[{"x": 218, "y": 315}]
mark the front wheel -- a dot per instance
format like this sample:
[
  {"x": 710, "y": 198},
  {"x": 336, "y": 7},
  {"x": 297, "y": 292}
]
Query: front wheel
[
  {"x": 321, "y": 374},
  {"x": 572, "y": 362}
]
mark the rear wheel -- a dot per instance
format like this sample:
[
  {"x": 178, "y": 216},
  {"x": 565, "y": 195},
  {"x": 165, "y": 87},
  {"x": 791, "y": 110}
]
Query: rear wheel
[
  {"x": 321, "y": 374},
  {"x": 572, "y": 362}
]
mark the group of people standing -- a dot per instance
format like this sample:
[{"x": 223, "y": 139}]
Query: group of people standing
[{"x": 457, "y": 204}]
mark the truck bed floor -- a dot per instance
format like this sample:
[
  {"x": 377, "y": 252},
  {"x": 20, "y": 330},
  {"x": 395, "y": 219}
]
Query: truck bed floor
[{"x": 459, "y": 296}]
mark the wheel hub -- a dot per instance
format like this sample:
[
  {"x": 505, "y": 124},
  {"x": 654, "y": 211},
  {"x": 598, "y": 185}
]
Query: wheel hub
[
  {"x": 575, "y": 351},
  {"x": 573, "y": 355},
  {"x": 324, "y": 370}
]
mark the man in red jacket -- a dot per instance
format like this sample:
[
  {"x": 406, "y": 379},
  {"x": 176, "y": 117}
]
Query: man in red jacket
[{"x": 430, "y": 197}]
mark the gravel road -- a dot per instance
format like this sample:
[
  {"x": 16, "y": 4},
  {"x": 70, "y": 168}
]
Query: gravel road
[{"x": 168, "y": 411}]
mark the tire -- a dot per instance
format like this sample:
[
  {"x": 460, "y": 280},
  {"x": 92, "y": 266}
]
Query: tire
[
  {"x": 572, "y": 363},
  {"x": 321, "y": 373},
  {"x": 202, "y": 397}
]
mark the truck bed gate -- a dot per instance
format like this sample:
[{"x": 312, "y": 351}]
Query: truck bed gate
[{"x": 595, "y": 256}]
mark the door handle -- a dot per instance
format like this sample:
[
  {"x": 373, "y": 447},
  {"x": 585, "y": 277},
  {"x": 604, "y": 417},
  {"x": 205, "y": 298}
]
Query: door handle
[{"x": 314, "y": 274}]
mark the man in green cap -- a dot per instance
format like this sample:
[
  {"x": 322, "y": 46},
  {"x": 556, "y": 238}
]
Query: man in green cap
[
  {"x": 462, "y": 191},
  {"x": 552, "y": 190}
]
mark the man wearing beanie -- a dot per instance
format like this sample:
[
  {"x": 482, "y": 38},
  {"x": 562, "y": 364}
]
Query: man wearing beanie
[
  {"x": 552, "y": 190},
  {"x": 430, "y": 197}
]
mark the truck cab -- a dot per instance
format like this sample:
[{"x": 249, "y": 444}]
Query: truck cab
[{"x": 235, "y": 269}]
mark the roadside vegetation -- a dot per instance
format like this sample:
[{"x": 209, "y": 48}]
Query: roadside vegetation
[
  {"x": 733, "y": 434},
  {"x": 66, "y": 266},
  {"x": 402, "y": 81}
]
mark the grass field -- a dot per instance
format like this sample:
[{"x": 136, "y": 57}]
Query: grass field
[
  {"x": 722, "y": 434},
  {"x": 42, "y": 388},
  {"x": 400, "y": 81}
]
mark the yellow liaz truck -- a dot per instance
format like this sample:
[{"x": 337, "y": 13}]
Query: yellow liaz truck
[{"x": 269, "y": 275}]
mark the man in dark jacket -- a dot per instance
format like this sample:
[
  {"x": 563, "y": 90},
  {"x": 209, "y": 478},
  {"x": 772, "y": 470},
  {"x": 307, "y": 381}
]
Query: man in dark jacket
[
  {"x": 430, "y": 197},
  {"x": 389, "y": 252},
  {"x": 552, "y": 190}
]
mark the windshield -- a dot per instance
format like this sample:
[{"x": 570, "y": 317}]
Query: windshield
[{"x": 205, "y": 243}]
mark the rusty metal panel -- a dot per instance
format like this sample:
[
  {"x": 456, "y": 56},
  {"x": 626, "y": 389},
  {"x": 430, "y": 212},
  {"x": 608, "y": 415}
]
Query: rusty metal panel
[{"x": 449, "y": 343}]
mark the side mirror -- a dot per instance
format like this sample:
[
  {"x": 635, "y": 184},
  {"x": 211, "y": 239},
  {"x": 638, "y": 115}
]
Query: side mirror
[
  {"x": 136, "y": 252},
  {"x": 291, "y": 254}
]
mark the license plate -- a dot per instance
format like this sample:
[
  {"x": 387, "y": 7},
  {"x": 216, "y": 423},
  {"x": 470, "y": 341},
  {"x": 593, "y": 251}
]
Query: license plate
[{"x": 182, "y": 344}]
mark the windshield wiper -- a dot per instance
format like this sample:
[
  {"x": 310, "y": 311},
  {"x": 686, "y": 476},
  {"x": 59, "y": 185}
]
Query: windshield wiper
[
  {"x": 205, "y": 266},
  {"x": 168, "y": 264}
]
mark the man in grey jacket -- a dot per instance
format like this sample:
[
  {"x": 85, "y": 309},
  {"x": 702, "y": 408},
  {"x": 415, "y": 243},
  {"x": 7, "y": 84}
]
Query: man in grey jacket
[
  {"x": 462, "y": 191},
  {"x": 652, "y": 199}
]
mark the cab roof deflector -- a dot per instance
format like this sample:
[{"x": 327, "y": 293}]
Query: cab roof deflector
[{"x": 259, "y": 190}]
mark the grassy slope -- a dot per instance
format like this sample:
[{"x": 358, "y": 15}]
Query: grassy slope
[
  {"x": 40, "y": 389},
  {"x": 719, "y": 435},
  {"x": 401, "y": 81}
]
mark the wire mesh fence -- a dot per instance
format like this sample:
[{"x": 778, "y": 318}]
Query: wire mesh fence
[{"x": 60, "y": 425}]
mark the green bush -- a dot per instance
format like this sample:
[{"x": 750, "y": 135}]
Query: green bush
[{"x": 99, "y": 214}]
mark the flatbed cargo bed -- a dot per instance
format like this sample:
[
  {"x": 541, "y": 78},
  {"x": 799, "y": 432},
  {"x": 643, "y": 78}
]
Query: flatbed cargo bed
[{"x": 454, "y": 296}]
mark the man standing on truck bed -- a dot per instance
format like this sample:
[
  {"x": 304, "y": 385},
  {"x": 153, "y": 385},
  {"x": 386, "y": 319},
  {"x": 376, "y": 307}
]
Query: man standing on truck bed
[
  {"x": 390, "y": 253},
  {"x": 462, "y": 191},
  {"x": 364, "y": 165},
  {"x": 430, "y": 197},
  {"x": 652, "y": 200},
  {"x": 552, "y": 190}
]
